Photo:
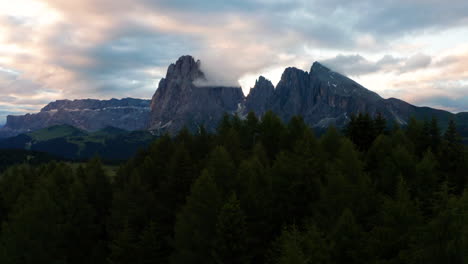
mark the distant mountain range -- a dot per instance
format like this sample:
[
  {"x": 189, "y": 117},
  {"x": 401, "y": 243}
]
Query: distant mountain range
[
  {"x": 88, "y": 114},
  {"x": 321, "y": 96}
]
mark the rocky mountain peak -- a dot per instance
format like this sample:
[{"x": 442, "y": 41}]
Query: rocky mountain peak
[
  {"x": 186, "y": 68},
  {"x": 292, "y": 73},
  {"x": 259, "y": 95},
  {"x": 317, "y": 67},
  {"x": 178, "y": 102},
  {"x": 263, "y": 84}
]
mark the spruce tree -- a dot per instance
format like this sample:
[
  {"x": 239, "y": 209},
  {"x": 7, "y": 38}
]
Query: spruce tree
[
  {"x": 150, "y": 247},
  {"x": 348, "y": 240},
  {"x": 231, "y": 245},
  {"x": 399, "y": 220},
  {"x": 195, "y": 227},
  {"x": 290, "y": 248}
]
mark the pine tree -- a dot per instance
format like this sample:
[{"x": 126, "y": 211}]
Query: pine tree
[
  {"x": 296, "y": 188},
  {"x": 380, "y": 125},
  {"x": 427, "y": 181},
  {"x": 271, "y": 134},
  {"x": 181, "y": 174},
  {"x": 330, "y": 144},
  {"x": 296, "y": 129},
  {"x": 316, "y": 247},
  {"x": 434, "y": 132},
  {"x": 98, "y": 188},
  {"x": 348, "y": 240},
  {"x": 82, "y": 232},
  {"x": 231, "y": 234},
  {"x": 444, "y": 238},
  {"x": 150, "y": 247},
  {"x": 195, "y": 228},
  {"x": 250, "y": 132},
  {"x": 255, "y": 195},
  {"x": 133, "y": 207},
  {"x": 33, "y": 233},
  {"x": 308, "y": 246},
  {"x": 222, "y": 168},
  {"x": 399, "y": 220},
  {"x": 362, "y": 130},
  {"x": 453, "y": 159},
  {"x": 415, "y": 133},
  {"x": 123, "y": 248},
  {"x": 291, "y": 248}
]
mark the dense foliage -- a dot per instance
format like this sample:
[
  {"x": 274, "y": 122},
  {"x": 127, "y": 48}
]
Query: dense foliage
[
  {"x": 9, "y": 157},
  {"x": 68, "y": 142},
  {"x": 254, "y": 192}
]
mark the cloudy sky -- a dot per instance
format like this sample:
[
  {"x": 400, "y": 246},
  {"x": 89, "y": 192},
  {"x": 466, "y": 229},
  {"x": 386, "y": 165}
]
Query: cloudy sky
[{"x": 416, "y": 50}]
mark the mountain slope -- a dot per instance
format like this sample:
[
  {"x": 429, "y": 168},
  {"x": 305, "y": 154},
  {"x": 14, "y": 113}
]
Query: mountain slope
[{"x": 73, "y": 143}]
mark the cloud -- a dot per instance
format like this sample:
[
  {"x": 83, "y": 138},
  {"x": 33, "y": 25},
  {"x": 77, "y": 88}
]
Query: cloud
[
  {"x": 54, "y": 49},
  {"x": 351, "y": 64},
  {"x": 392, "y": 18},
  {"x": 356, "y": 65},
  {"x": 417, "y": 61},
  {"x": 459, "y": 104}
]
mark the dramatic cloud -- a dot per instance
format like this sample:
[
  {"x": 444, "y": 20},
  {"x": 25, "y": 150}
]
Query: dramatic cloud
[
  {"x": 54, "y": 49},
  {"x": 356, "y": 65}
]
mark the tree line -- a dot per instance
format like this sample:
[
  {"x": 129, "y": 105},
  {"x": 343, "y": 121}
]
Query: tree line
[{"x": 256, "y": 191}]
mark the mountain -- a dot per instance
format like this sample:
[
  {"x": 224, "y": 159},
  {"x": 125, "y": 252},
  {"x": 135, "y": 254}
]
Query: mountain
[
  {"x": 321, "y": 96},
  {"x": 88, "y": 114},
  {"x": 259, "y": 96},
  {"x": 179, "y": 102},
  {"x": 324, "y": 97},
  {"x": 72, "y": 143}
]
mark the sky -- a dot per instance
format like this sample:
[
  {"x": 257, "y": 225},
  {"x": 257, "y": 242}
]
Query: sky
[{"x": 415, "y": 50}]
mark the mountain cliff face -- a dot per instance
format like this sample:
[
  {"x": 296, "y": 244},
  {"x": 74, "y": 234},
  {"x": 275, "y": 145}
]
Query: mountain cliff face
[
  {"x": 178, "y": 102},
  {"x": 324, "y": 97},
  {"x": 88, "y": 114},
  {"x": 259, "y": 96}
]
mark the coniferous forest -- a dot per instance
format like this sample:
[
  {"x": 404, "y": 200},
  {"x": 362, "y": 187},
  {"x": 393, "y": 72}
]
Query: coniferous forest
[{"x": 256, "y": 191}]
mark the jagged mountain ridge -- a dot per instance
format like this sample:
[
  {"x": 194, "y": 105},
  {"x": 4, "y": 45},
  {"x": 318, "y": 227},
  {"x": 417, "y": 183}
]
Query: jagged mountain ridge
[{"x": 321, "y": 96}]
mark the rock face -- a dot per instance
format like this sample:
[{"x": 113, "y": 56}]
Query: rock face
[
  {"x": 322, "y": 97},
  {"x": 259, "y": 96},
  {"x": 178, "y": 102},
  {"x": 88, "y": 114}
]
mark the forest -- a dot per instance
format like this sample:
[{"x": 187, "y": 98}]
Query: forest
[{"x": 255, "y": 191}]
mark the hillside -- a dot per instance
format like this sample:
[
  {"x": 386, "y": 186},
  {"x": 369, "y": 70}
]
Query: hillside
[{"x": 73, "y": 143}]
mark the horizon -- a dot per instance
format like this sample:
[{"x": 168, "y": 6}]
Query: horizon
[{"x": 57, "y": 49}]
